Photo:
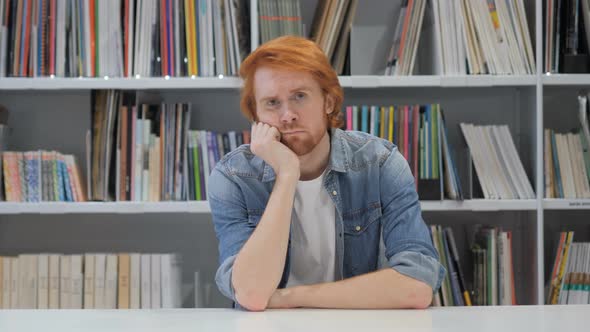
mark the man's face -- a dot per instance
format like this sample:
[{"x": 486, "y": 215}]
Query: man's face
[{"x": 294, "y": 103}]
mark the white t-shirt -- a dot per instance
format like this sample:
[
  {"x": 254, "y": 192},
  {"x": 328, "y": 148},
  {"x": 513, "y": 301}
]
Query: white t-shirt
[{"x": 313, "y": 235}]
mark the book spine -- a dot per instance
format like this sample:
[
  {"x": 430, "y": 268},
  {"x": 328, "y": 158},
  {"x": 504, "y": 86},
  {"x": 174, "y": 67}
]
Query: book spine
[
  {"x": 454, "y": 277},
  {"x": 58, "y": 178},
  {"x": 364, "y": 119},
  {"x": 22, "y": 171},
  {"x": 557, "y": 169},
  {"x": 197, "y": 165}
]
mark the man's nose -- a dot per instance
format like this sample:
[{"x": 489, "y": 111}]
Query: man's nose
[{"x": 287, "y": 115}]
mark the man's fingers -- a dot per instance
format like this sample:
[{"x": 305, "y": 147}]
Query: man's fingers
[
  {"x": 275, "y": 133},
  {"x": 262, "y": 130},
  {"x": 254, "y": 130}
]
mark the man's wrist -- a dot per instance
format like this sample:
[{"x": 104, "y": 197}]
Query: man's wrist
[
  {"x": 286, "y": 298},
  {"x": 288, "y": 176},
  {"x": 294, "y": 296}
]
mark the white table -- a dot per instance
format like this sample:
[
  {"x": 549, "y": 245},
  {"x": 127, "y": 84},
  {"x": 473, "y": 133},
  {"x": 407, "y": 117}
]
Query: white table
[{"x": 468, "y": 319}]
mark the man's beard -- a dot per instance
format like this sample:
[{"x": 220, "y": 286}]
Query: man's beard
[{"x": 301, "y": 144}]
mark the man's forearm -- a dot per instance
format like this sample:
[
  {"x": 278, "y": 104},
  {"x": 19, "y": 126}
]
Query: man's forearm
[
  {"x": 384, "y": 289},
  {"x": 259, "y": 265}
]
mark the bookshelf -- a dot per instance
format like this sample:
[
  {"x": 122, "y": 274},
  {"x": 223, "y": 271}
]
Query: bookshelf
[
  {"x": 161, "y": 83},
  {"x": 566, "y": 204},
  {"x": 565, "y": 79},
  {"x": 105, "y": 207},
  {"x": 54, "y": 114},
  {"x": 203, "y": 207}
]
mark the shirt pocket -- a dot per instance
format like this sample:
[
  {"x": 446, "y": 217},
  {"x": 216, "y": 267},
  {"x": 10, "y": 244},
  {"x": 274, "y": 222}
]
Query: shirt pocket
[
  {"x": 361, "y": 239},
  {"x": 357, "y": 222}
]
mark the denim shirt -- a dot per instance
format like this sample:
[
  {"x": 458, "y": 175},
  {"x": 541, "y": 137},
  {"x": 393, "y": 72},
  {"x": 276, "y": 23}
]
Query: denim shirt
[{"x": 378, "y": 218}]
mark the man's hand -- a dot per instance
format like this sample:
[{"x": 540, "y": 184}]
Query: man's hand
[{"x": 266, "y": 144}]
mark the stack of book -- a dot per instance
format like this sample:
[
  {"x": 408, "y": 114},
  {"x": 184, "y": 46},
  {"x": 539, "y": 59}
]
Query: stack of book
[
  {"x": 146, "y": 152},
  {"x": 567, "y": 36},
  {"x": 331, "y": 29},
  {"x": 570, "y": 277},
  {"x": 567, "y": 159},
  {"x": 122, "y": 38},
  {"x": 278, "y": 18},
  {"x": 205, "y": 150},
  {"x": 42, "y": 176},
  {"x": 132, "y": 144},
  {"x": 498, "y": 166},
  {"x": 402, "y": 54},
  {"x": 420, "y": 135},
  {"x": 482, "y": 37},
  {"x": 493, "y": 269},
  {"x": 453, "y": 291},
  {"x": 567, "y": 165},
  {"x": 90, "y": 281}
]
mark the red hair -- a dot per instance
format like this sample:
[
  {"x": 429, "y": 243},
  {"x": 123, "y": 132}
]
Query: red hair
[{"x": 296, "y": 54}]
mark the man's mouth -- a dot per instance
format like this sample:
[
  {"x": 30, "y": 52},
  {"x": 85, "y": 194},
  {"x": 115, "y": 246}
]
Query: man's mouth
[{"x": 292, "y": 132}]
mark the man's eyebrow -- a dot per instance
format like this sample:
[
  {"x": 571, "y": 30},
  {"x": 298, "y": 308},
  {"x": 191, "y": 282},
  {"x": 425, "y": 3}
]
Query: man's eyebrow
[
  {"x": 299, "y": 88},
  {"x": 267, "y": 98}
]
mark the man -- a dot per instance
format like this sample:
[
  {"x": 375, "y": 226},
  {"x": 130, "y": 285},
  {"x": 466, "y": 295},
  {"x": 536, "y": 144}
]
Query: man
[{"x": 304, "y": 213}]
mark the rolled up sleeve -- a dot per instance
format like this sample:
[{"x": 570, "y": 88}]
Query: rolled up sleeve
[
  {"x": 408, "y": 245},
  {"x": 223, "y": 278},
  {"x": 418, "y": 266},
  {"x": 230, "y": 219}
]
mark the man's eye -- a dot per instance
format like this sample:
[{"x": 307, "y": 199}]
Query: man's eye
[{"x": 299, "y": 95}]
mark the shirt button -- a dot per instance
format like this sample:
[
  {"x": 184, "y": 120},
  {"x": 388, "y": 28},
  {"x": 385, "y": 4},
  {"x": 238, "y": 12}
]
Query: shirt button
[
  {"x": 334, "y": 193},
  {"x": 358, "y": 228}
]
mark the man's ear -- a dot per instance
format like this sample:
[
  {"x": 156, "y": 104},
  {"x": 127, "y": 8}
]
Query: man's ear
[{"x": 329, "y": 104}]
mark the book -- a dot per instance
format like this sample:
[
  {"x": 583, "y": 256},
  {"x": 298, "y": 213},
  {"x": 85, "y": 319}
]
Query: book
[
  {"x": 154, "y": 154},
  {"x": 100, "y": 266},
  {"x": 146, "y": 283},
  {"x": 123, "y": 281},
  {"x": 497, "y": 163},
  {"x": 567, "y": 158},
  {"x": 89, "y": 275},
  {"x": 127, "y": 38},
  {"x": 57, "y": 281},
  {"x": 419, "y": 133},
  {"x": 134, "y": 281},
  {"x": 110, "y": 283},
  {"x": 77, "y": 282}
]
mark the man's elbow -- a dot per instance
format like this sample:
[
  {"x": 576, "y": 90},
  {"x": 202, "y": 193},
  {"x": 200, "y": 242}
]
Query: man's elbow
[
  {"x": 421, "y": 297},
  {"x": 252, "y": 300},
  {"x": 423, "y": 302}
]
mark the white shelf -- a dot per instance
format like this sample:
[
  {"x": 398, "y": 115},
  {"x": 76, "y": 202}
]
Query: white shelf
[
  {"x": 480, "y": 205},
  {"x": 375, "y": 81},
  {"x": 46, "y": 83},
  {"x": 104, "y": 207},
  {"x": 203, "y": 207},
  {"x": 566, "y": 204},
  {"x": 487, "y": 80},
  {"x": 566, "y": 79}
]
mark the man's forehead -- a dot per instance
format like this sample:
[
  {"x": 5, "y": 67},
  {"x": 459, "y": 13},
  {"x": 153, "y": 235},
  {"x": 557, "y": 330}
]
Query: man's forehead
[{"x": 273, "y": 81}]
